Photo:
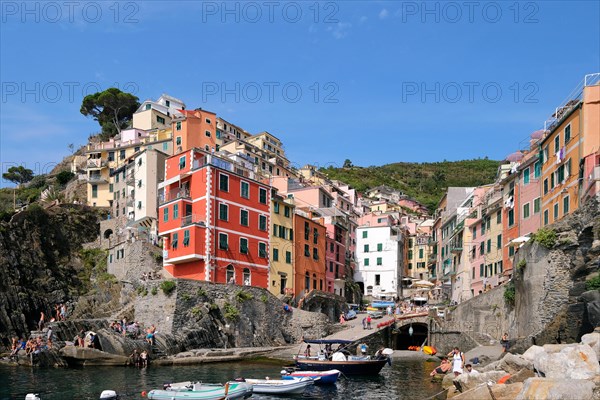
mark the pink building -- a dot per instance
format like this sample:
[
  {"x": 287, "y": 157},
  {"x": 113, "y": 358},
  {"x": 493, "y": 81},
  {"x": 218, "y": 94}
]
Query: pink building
[
  {"x": 479, "y": 235},
  {"x": 529, "y": 181}
]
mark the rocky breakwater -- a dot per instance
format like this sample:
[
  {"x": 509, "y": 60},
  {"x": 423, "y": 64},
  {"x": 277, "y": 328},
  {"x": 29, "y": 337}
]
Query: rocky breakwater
[
  {"x": 40, "y": 263},
  {"x": 552, "y": 371},
  {"x": 202, "y": 315}
]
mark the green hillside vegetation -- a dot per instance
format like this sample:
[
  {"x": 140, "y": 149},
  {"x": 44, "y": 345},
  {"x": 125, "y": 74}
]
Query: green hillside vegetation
[{"x": 425, "y": 182}]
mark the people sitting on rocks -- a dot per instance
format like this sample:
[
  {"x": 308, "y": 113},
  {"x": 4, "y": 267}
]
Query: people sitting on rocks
[
  {"x": 470, "y": 370},
  {"x": 442, "y": 368}
]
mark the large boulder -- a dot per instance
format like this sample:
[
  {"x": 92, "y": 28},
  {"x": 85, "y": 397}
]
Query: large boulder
[
  {"x": 447, "y": 381},
  {"x": 500, "y": 392},
  {"x": 532, "y": 352},
  {"x": 557, "y": 348},
  {"x": 592, "y": 340},
  {"x": 464, "y": 382},
  {"x": 556, "y": 389},
  {"x": 521, "y": 376},
  {"x": 84, "y": 356},
  {"x": 513, "y": 363},
  {"x": 494, "y": 365},
  {"x": 572, "y": 362}
]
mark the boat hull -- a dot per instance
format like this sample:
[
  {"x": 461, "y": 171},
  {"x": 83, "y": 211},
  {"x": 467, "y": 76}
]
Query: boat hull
[
  {"x": 327, "y": 377},
  {"x": 284, "y": 386},
  {"x": 362, "y": 367},
  {"x": 237, "y": 390}
]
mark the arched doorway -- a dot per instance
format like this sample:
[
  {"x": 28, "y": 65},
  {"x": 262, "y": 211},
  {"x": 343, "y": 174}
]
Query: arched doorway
[
  {"x": 404, "y": 339},
  {"x": 230, "y": 274},
  {"x": 108, "y": 233},
  {"x": 315, "y": 281}
]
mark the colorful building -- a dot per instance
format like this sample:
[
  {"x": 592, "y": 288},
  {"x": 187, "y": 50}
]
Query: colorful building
[
  {"x": 194, "y": 129},
  {"x": 569, "y": 152},
  {"x": 309, "y": 253},
  {"x": 157, "y": 114},
  {"x": 282, "y": 245},
  {"x": 214, "y": 220}
]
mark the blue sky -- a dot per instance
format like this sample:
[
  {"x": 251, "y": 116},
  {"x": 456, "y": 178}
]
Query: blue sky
[{"x": 380, "y": 82}]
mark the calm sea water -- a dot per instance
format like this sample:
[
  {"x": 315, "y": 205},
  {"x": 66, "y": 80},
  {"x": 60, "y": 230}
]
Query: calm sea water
[{"x": 403, "y": 380}]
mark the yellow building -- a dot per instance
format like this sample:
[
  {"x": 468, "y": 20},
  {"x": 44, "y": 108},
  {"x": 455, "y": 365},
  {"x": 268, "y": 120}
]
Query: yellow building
[
  {"x": 418, "y": 255},
  {"x": 281, "y": 279},
  {"x": 105, "y": 157}
]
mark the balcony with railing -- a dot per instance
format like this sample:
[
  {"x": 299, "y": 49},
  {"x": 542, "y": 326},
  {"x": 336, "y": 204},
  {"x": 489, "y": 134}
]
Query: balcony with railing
[
  {"x": 193, "y": 219},
  {"x": 96, "y": 163},
  {"x": 172, "y": 195},
  {"x": 96, "y": 178}
]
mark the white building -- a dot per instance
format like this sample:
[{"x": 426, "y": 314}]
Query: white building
[
  {"x": 379, "y": 260},
  {"x": 157, "y": 114}
]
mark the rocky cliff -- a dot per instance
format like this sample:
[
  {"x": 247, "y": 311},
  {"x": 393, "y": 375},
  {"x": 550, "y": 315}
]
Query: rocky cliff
[{"x": 40, "y": 263}]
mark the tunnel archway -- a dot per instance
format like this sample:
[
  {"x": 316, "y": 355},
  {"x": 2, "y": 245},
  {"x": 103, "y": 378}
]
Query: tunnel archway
[{"x": 403, "y": 338}]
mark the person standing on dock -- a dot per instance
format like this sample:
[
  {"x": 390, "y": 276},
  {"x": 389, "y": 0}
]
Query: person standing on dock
[{"x": 41, "y": 323}]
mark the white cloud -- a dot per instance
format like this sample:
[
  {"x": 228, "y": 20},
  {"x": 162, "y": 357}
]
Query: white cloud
[
  {"x": 383, "y": 14},
  {"x": 340, "y": 30}
]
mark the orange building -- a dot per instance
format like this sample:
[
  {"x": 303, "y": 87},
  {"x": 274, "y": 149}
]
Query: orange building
[
  {"x": 214, "y": 218},
  {"x": 309, "y": 254},
  {"x": 195, "y": 129},
  {"x": 569, "y": 150}
]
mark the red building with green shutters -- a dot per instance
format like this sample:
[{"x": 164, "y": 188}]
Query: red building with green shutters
[{"x": 214, "y": 219}]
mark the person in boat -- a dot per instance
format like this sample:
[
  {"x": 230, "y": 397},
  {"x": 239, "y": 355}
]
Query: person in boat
[
  {"x": 307, "y": 351},
  {"x": 442, "y": 368},
  {"x": 361, "y": 349}
]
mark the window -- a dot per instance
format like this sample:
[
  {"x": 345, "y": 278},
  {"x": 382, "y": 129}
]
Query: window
[
  {"x": 481, "y": 248},
  {"x": 410, "y": 254},
  {"x": 207, "y": 133},
  {"x": 276, "y": 208},
  {"x": 366, "y": 248},
  {"x": 475, "y": 233},
  {"x": 178, "y": 127},
  {"x": 489, "y": 245},
  {"x": 568, "y": 168},
  {"x": 178, "y": 140},
  {"x": 420, "y": 253},
  {"x": 555, "y": 211},
  {"x": 94, "y": 191},
  {"x": 366, "y": 262},
  {"x": 167, "y": 103},
  {"x": 165, "y": 214},
  {"x": 511, "y": 217},
  {"x": 186, "y": 238},
  {"x": 315, "y": 235},
  {"x": 499, "y": 242},
  {"x": 140, "y": 183},
  {"x": 546, "y": 186},
  {"x": 525, "y": 210},
  {"x": 306, "y": 250},
  {"x": 288, "y": 257},
  {"x": 511, "y": 251},
  {"x": 545, "y": 217},
  {"x": 223, "y": 211},
  {"x": 536, "y": 205},
  {"x": 306, "y": 231},
  {"x": 499, "y": 217},
  {"x": 379, "y": 246},
  {"x": 545, "y": 155},
  {"x": 526, "y": 176},
  {"x": 364, "y": 234},
  {"x": 566, "y": 205},
  {"x": 110, "y": 187},
  {"x": 482, "y": 228},
  {"x": 537, "y": 169},
  {"x": 160, "y": 120},
  {"x": 552, "y": 181},
  {"x": 560, "y": 174},
  {"x": 275, "y": 254},
  {"x": 262, "y": 196},
  {"x": 262, "y": 223},
  {"x": 409, "y": 265},
  {"x": 223, "y": 244},
  {"x": 244, "y": 217},
  {"x": 175, "y": 241},
  {"x": 480, "y": 270},
  {"x": 377, "y": 279},
  {"x": 379, "y": 261},
  {"x": 315, "y": 253},
  {"x": 286, "y": 211},
  {"x": 175, "y": 211},
  {"x": 165, "y": 146},
  {"x": 224, "y": 182}
]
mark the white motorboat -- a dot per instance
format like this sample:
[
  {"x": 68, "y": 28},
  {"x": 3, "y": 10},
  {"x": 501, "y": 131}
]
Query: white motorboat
[{"x": 280, "y": 386}]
